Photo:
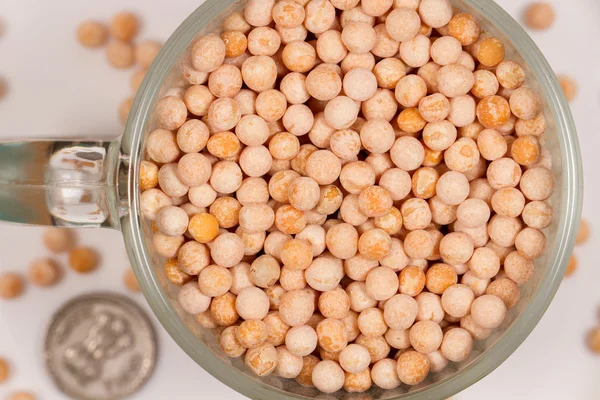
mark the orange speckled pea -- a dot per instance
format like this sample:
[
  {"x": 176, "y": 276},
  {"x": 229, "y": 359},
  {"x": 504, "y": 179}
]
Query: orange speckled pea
[
  {"x": 375, "y": 244},
  {"x": 424, "y": 181},
  {"x": 236, "y": 43},
  {"x": 203, "y": 227},
  {"x": 290, "y": 220},
  {"x": 490, "y": 52},
  {"x": 413, "y": 367},
  {"x": 174, "y": 274},
  {"x": 465, "y": 28},
  {"x": 271, "y": 105},
  {"x": 411, "y": 281},
  {"x": 296, "y": 254},
  {"x": 493, "y": 111},
  {"x": 440, "y": 277},
  {"x": 486, "y": 84},
  {"x": 299, "y": 56},
  {"x": 375, "y": 201},
  {"x": 455, "y": 80},
  {"x": 391, "y": 222},
  {"x": 259, "y": 73},
  {"x": 410, "y": 120},
  {"x": 418, "y": 244}
]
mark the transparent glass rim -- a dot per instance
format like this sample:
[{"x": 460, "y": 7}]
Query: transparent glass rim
[{"x": 568, "y": 216}]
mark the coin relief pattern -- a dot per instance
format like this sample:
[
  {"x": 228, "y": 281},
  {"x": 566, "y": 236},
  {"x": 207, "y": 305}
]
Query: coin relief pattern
[{"x": 101, "y": 347}]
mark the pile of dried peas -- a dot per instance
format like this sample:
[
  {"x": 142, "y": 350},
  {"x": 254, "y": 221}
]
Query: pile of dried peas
[{"x": 315, "y": 227}]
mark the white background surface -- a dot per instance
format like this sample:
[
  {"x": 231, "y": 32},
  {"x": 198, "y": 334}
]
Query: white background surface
[{"x": 59, "y": 89}]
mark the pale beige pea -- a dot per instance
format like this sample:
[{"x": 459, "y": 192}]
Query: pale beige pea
[
  {"x": 508, "y": 202},
  {"x": 455, "y": 80},
  {"x": 477, "y": 285},
  {"x": 388, "y": 72},
  {"x": 341, "y": 112},
  {"x": 171, "y": 112},
  {"x": 342, "y": 241},
  {"x": 294, "y": 88},
  {"x": 491, "y": 144},
  {"x": 531, "y": 243},
  {"x": 271, "y": 105},
  {"x": 403, "y": 24},
  {"x": 225, "y": 81},
  {"x": 503, "y": 230},
  {"x": 299, "y": 56},
  {"x": 223, "y": 114},
  {"x": 382, "y": 105},
  {"x": 330, "y": 47},
  {"x": 298, "y": 119},
  {"x": 198, "y": 99},
  {"x": 569, "y": 87},
  {"x": 360, "y": 84},
  {"x": 439, "y": 136},
  {"x": 192, "y": 136},
  {"x": 208, "y": 53},
  {"x": 58, "y": 240},
  {"x": 503, "y": 173},
  {"x": 323, "y": 166},
  {"x": 226, "y": 177},
  {"x": 320, "y": 16},
  {"x": 259, "y": 73},
  {"x": 410, "y": 90},
  {"x": 537, "y": 183},
  {"x": 259, "y": 13},
  {"x": 537, "y": 214},
  {"x": 396, "y": 181},
  {"x": 462, "y": 111},
  {"x": 416, "y": 214},
  {"x": 289, "y": 35},
  {"x": 525, "y": 103},
  {"x": 362, "y": 60},
  {"x": 535, "y": 126}
]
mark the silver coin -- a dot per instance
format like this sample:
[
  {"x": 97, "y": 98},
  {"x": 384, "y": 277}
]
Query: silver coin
[{"x": 100, "y": 346}]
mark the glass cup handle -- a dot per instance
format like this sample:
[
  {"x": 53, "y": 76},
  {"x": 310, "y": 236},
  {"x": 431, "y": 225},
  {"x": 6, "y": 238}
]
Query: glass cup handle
[{"x": 62, "y": 183}]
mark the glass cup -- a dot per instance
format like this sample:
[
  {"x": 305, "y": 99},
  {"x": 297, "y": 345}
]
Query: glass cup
[{"x": 95, "y": 184}]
